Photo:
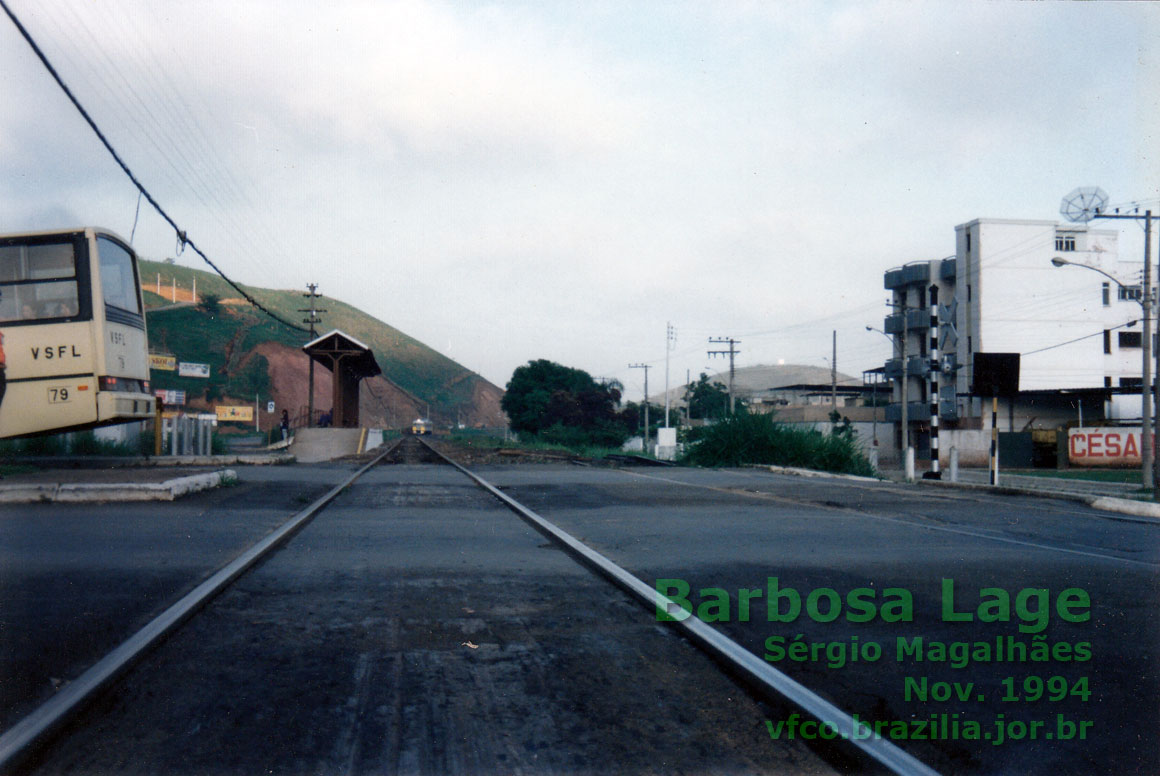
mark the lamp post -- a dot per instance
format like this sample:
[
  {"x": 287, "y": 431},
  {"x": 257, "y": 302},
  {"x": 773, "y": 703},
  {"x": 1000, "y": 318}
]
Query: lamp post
[{"x": 1146, "y": 473}]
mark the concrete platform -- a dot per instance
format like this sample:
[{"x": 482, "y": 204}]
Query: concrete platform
[
  {"x": 311, "y": 445},
  {"x": 104, "y": 485}
]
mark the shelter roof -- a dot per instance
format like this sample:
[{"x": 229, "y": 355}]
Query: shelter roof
[{"x": 357, "y": 357}]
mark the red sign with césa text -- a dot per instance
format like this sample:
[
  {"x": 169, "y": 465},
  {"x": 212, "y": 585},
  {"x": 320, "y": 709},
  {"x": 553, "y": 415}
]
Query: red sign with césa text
[{"x": 1105, "y": 446}]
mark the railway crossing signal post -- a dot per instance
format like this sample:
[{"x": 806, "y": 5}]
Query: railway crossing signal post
[{"x": 312, "y": 319}]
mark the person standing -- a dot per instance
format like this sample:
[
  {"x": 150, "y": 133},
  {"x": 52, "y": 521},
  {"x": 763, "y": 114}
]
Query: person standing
[
  {"x": 3, "y": 368},
  {"x": 285, "y": 424}
]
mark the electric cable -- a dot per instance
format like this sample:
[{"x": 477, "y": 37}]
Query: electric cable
[{"x": 181, "y": 235}]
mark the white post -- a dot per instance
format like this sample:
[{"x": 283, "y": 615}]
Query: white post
[
  {"x": 909, "y": 463},
  {"x": 954, "y": 464},
  {"x": 195, "y": 289},
  {"x": 668, "y": 347}
]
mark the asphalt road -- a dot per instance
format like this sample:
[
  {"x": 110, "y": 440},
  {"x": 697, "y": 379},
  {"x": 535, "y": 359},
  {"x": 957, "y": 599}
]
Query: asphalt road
[
  {"x": 77, "y": 579},
  {"x": 735, "y": 530},
  {"x": 418, "y": 627}
]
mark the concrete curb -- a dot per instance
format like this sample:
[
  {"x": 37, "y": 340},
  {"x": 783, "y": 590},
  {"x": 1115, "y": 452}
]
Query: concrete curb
[
  {"x": 1128, "y": 510},
  {"x": 242, "y": 459},
  {"x": 1132, "y": 511},
  {"x": 795, "y": 472},
  {"x": 98, "y": 492}
]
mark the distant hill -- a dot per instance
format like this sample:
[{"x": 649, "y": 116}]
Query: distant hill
[
  {"x": 250, "y": 353},
  {"x": 753, "y": 380}
]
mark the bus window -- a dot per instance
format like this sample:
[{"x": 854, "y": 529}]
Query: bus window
[
  {"x": 37, "y": 282},
  {"x": 117, "y": 277}
]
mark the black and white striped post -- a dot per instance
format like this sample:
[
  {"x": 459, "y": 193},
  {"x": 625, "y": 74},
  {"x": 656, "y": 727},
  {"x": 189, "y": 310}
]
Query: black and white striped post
[{"x": 935, "y": 368}]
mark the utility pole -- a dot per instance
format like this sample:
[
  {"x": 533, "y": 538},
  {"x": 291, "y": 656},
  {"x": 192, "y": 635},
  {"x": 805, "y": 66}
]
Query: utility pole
[
  {"x": 1084, "y": 205},
  {"x": 670, "y": 338},
  {"x": 834, "y": 375},
  {"x": 645, "y": 367},
  {"x": 688, "y": 396},
  {"x": 904, "y": 441},
  {"x": 731, "y": 352},
  {"x": 311, "y": 320}
]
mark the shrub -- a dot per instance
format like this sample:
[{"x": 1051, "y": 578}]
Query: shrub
[{"x": 744, "y": 438}]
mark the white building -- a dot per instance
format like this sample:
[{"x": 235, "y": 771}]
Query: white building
[{"x": 1078, "y": 333}]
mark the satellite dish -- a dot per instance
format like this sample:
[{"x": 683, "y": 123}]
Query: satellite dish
[{"x": 1083, "y": 204}]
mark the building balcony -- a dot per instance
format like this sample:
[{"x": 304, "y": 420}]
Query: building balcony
[
  {"x": 915, "y": 320},
  {"x": 916, "y": 366},
  {"x": 917, "y": 412},
  {"x": 947, "y": 269},
  {"x": 919, "y": 272}
]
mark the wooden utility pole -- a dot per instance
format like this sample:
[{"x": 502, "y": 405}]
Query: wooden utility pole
[
  {"x": 645, "y": 367},
  {"x": 312, "y": 320},
  {"x": 731, "y": 352}
]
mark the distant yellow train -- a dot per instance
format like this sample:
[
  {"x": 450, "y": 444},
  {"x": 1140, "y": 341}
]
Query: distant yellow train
[{"x": 421, "y": 427}]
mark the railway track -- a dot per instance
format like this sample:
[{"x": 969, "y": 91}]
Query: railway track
[{"x": 37, "y": 730}]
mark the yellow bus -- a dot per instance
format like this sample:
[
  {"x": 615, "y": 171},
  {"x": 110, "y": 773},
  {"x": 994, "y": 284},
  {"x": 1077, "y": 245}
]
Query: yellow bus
[{"x": 73, "y": 348}]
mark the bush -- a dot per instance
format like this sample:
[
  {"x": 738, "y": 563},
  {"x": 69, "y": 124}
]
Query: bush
[
  {"x": 743, "y": 439},
  {"x": 575, "y": 437}
]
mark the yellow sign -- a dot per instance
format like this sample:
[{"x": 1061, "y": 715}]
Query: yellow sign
[
  {"x": 163, "y": 363},
  {"x": 241, "y": 414}
]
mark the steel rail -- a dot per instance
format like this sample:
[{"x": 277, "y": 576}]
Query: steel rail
[
  {"x": 18, "y": 741},
  {"x": 758, "y": 672}
]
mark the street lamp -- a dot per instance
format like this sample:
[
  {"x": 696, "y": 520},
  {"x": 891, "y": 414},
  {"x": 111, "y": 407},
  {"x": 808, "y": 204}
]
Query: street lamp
[{"x": 1145, "y": 300}]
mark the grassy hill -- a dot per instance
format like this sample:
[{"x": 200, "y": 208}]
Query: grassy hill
[{"x": 226, "y": 339}]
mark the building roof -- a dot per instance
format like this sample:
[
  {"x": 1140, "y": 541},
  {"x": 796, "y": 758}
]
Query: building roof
[{"x": 358, "y": 357}]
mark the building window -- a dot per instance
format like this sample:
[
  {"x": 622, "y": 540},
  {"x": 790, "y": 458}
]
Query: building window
[
  {"x": 1131, "y": 382},
  {"x": 1107, "y": 292},
  {"x": 1131, "y": 339},
  {"x": 1107, "y": 381},
  {"x": 1130, "y": 293},
  {"x": 968, "y": 242},
  {"x": 968, "y": 292},
  {"x": 970, "y": 346},
  {"x": 1107, "y": 340},
  {"x": 1064, "y": 242}
]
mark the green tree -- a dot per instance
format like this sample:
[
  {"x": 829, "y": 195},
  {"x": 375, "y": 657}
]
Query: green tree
[
  {"x": 553, "y": 401},
  {"x": 210, "y": 304},
  {"x": 707, "y": 399}
]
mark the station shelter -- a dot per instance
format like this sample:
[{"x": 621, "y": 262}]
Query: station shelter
[{"x": 349, "y": 362}]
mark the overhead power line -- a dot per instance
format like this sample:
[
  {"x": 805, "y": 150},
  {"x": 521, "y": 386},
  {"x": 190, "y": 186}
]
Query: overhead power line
[
  {"x": 181, "y": 235},
  {"x": 1078, "y": 339}
]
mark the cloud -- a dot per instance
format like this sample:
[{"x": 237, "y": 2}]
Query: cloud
[{"x": 414, "y": 78}]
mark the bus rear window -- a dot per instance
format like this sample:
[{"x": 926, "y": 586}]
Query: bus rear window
[
  {"x": 118, "y": 280},
  {"x": 38, "y": 282}
]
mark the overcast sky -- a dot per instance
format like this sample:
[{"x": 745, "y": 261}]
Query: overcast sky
[{"x": 520, "y": 180}]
